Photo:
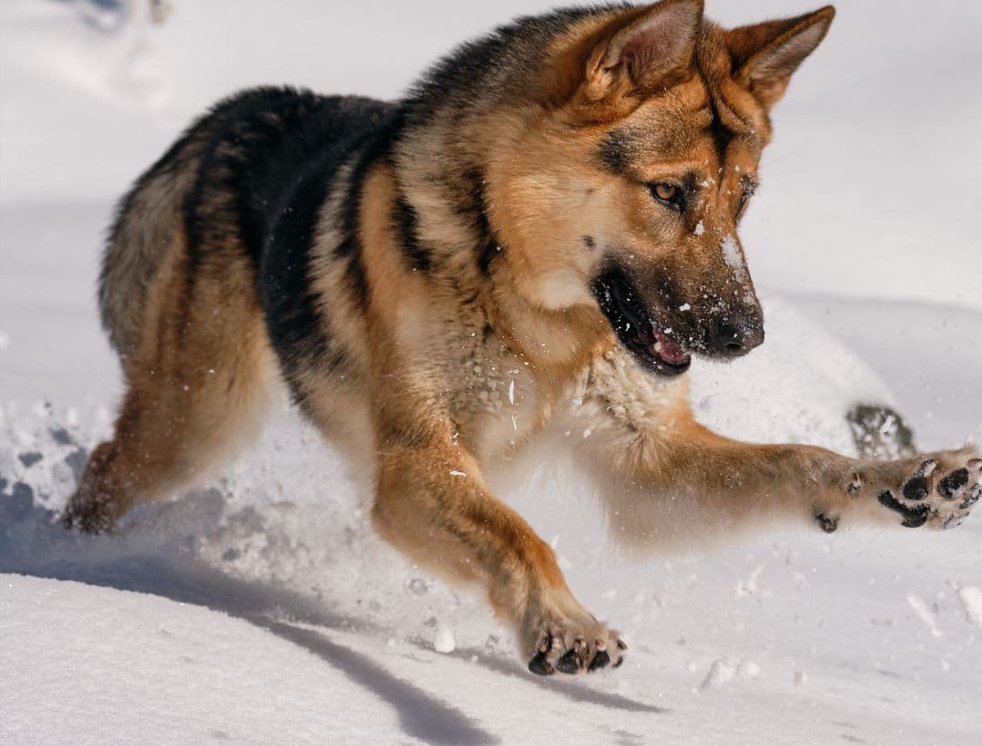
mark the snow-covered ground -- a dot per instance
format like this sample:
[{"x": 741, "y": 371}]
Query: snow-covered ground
[{"x": 261, "y": 609}]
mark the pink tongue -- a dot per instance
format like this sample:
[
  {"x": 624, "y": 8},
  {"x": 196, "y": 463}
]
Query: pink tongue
[{"x": 667, "y": 350}]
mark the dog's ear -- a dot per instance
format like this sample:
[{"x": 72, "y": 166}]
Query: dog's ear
[
  {"x": 642, "y": 50},
  {"x": 765, "y": 55}
]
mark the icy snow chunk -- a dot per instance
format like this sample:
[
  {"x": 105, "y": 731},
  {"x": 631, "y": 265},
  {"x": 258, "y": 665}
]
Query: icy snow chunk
[
  {"x": 720, "y": 673},
  {"x": 971, "y": 600},
  {"x": 419, "y": 586},
  {"x": 748, "y": 587},
  {"x": 443, "y": 641},
  {"x": 748, "y": 669},
  {"x": 920, "y": 608}
]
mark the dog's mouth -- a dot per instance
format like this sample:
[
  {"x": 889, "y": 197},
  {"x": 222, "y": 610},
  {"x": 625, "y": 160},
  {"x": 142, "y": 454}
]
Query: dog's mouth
[{"x": 649, "y": 341}]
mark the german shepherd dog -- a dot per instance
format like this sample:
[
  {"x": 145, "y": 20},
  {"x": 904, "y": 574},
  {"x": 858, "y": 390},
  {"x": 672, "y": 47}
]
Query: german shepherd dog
[{"x": 540, "y": 234}]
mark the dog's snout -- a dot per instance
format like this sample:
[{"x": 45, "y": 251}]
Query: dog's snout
[{"x": 734, "y": 340}]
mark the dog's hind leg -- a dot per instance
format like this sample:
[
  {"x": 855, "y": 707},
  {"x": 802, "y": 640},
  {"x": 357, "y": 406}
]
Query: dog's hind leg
[{"x": 197, "y": 385}]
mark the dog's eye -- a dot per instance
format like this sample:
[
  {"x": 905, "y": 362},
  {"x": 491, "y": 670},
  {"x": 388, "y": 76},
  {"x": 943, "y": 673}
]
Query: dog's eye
[{"x": 667, "y": 194}]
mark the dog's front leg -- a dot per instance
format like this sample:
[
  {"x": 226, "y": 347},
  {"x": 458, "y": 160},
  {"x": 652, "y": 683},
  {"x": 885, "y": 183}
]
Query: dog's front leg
[
  {"x": 432, "y": 504},
  {"x": 669, "y": 480},
  {"x": 736, "y": 484}
]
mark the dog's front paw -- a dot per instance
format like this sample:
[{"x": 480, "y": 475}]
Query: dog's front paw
[
  {"x": 936, "y": 490},
  {"x": 573, "y": 644}
]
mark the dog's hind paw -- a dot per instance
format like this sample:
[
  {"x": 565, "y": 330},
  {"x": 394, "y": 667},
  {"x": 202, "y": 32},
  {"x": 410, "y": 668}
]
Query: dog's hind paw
[
  {"x": 935, "y": 490},
  {"x": 880, "y": 432},
  {"x": 572, "y": 647}
]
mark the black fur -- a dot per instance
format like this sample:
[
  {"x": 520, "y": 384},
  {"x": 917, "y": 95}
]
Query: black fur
[
  {"x": 614, "y": 153},
  {"x": 722, "y": 136},
  {"x": 267, "y": 172},
  {"x": 404, "y": 215},
  {"x": 374, "y": 139}
]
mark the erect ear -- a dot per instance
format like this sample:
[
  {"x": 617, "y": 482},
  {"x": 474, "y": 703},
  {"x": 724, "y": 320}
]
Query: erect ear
[
  {"x": 642, "y": 50},
  {"x": 765, "y": 55}
]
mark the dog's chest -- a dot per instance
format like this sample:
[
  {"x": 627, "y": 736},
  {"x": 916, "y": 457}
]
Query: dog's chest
[{"x": 494, "y": 397}]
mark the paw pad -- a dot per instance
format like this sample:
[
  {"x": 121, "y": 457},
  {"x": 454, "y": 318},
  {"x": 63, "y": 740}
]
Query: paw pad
[
  {"x": 552, "y": 655},
  {"x": 954, "y": 484},
  {"x": 913, "y": 517}
]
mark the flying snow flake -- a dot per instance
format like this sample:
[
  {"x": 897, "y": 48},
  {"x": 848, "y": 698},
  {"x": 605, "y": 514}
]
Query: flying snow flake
[
  {"x": 443, "y": 641},
  {"x": 971, "y": 600},
  {"x": 748, "y": 669},
  {"x": 455, "y": 473},
  {"x": 699, "y": 229},
  {"x": 921, "y": 609},
  {"x": 720, "y": 673},
  {"x": 511, "y": 391},
  {"x": 685, "y": 307}
]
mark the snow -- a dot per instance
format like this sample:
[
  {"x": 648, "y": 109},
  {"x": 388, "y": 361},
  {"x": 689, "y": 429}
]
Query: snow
[
  {"x": 971, "y": 599},
  {"x": 720, "y": 673},
  {"x": 261, "y": 608},
  {"x": 443, "y": 641},
  {"x": 733, "y": 257}
]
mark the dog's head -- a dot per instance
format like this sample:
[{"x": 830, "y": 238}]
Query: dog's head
[{"x": 625, "y": 191}]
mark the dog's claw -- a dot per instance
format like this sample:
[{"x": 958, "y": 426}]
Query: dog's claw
[
  {"x": 552, "y": 655},
  {"x": 855, "y": 484},
  {"x": 538, "y": 663},
  {"x": 828, "y": 524}
]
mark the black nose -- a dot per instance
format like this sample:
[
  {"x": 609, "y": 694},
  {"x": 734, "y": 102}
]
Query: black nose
[{"x": 729, "y": 340}]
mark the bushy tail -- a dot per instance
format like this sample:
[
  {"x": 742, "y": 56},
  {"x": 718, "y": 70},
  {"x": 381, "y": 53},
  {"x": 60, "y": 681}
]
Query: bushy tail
[{"x": 148, "y": 221}]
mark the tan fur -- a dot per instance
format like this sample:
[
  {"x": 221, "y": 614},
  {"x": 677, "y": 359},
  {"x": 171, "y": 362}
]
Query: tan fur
[{"x": 449, "y": 373}]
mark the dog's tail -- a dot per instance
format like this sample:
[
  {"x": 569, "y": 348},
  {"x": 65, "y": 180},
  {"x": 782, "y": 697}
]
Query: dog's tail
[
  {"x": 149, "y": 224},
  {"x": 147, "y": 227}
]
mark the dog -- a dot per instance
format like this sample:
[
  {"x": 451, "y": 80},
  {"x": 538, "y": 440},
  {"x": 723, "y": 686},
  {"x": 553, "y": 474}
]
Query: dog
[{"x": 542, "y": 233}]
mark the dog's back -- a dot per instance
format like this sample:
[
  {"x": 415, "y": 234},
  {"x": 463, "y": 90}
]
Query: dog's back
[{"x": 245, "y": 180}]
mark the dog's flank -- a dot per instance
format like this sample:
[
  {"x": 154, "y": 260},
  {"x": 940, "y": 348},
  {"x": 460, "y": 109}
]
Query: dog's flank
[{"x": 539, "y": 236}]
